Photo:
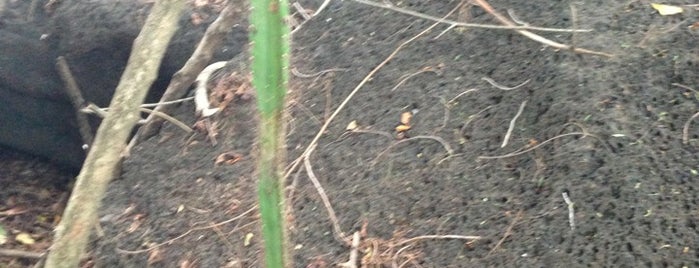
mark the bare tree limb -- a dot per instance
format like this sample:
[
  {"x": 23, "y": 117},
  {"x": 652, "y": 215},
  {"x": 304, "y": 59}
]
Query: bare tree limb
[
  {"x": 80, "y": 215},
  {"x": 76, "y": 98}
]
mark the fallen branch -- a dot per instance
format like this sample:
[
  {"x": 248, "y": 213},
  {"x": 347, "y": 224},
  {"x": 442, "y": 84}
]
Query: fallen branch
[
  {"x": 80, "y": 215},
  {"x": 76, "y": 98}
]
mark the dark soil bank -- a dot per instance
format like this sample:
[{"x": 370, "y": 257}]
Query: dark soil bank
[{"x": 605, "y": 132}]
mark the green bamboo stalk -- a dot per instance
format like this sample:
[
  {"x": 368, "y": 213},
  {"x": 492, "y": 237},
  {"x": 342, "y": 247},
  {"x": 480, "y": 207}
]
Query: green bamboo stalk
[{"x": 270, "y": 51}]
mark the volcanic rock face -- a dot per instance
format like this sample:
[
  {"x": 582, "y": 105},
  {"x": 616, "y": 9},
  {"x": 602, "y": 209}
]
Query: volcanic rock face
[{"x": 96, "y": 38}]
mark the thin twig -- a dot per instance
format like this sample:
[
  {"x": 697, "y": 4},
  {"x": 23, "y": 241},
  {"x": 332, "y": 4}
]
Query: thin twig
[
  {"x": 445, "y": 118},
  {"x": 495, "y": 84},
  {"x": 516, "y": 19},
  {"x": 508, "y": 233},
  {"x": 461, "y": 24},
  {"x": 685, "y": 87},
  {"x": 377, "y": 132},
  {"x": 535, "y": 147},
  {"x": 168, "y": 118},
  {"x": 685, "y": 130},
  {"x": 151, "y": 105},
  {"x": 504, "y": 20},
  {"x": 354, "y": 253},
  {"x": 461, "y": 94},
  {"x": 438, "y": 237},
  {"x": 320, "y": 9},
  {"x": 102, "y": 113},
  {"x": 574, "y": 20},
  {"x": 296, "y": 72},
  {"x": 14, "y": 253},
  {"x": 404, "y": 78},
  {"x": 444, "y": 144},
  {"x": 512, "y": 124},
  {"x": 337, "y": 230},
  {"x": 301, "y": 11}
]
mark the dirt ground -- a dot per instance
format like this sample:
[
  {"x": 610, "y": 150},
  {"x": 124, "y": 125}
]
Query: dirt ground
[{"x": 607, "y": 132}]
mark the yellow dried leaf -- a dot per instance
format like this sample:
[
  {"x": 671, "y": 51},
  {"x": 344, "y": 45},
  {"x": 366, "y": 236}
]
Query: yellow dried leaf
[
  {"x": 352, "y": 126},
  {"x": 248, "y": 238},
  {"x": 405, "y": 118},
  {"x": 402, "y": 128},
  {"x": 666, "y": 10},
  {"x": 25, "y": 239}
]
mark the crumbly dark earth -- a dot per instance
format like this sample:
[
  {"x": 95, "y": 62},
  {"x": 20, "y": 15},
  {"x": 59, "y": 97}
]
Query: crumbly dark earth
[{"x": 607, "y": 132}]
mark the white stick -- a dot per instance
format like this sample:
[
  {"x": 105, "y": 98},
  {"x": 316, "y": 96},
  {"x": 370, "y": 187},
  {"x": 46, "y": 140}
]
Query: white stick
[
  {"x": 571, "y": 210},
  {"x": 512, "y": 124},
  {"x": 201, "y": 95}
]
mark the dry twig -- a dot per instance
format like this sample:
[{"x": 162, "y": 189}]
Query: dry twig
[
  {"x": 507, "y": 233},
  {"x": 495, "y": 84},
  {"x": 584, "y": 134},
  {"x": 354, "y": 253},
  {"x": 337, "y": 230},
  {"x": 504, "y": 20},
  {"x": 512, "y": 124},
  {"x": 20, "y": 254},
  {"x": 685, "y": 129},
  {"x": 461, "y": 24},
  {"x": 444, "y": 144}
]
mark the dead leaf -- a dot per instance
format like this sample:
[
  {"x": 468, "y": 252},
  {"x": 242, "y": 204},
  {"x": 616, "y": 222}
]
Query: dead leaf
[
  {"x": 137, "y": 221},
  {"x": 25, "y": 239},
  {"x": 154, "y": 256},
  {"x": 352, "y": 126},
  {"x": 402, "y": 128},
  {"x": 405, "y": 118},
  {"x": 228, "y": 158},
  {"x": 666, "y": 10},
  {"x": 248, "y": 239}
]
